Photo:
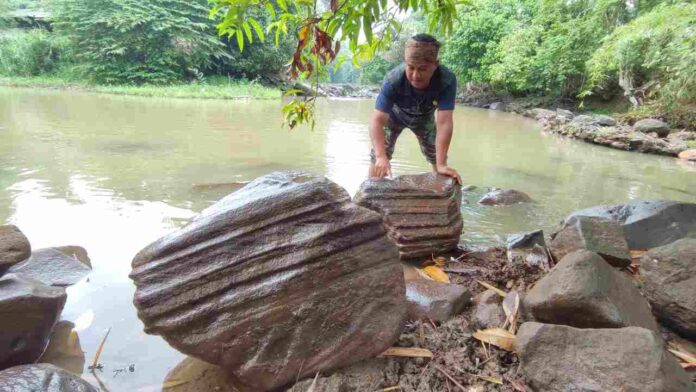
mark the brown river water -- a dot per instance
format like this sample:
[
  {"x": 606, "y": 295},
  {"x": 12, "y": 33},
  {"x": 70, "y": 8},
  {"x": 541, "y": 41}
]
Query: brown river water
[{"x": 114, "y": 173}]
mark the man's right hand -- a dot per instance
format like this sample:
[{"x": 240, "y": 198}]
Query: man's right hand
[{"x": 382, "y": 167}]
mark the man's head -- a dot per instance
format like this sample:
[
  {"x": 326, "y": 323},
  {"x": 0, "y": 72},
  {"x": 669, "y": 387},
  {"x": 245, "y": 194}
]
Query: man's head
[{"x": 420, "y": 57}]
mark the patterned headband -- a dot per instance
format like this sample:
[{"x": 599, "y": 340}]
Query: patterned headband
[{"x": 421, "y": 52}]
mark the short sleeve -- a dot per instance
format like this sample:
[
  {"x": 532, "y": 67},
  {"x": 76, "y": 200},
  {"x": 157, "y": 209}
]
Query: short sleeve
[
  {"x": 385, "y": 99},
  {"x": 447, "y": 95}
]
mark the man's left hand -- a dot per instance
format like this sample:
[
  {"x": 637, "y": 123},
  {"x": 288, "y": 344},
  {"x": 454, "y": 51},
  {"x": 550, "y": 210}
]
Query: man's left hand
[{"x": 448, "y": 171}]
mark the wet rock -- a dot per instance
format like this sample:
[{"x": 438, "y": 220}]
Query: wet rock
[
  {"x": 556, "y": 358},
  {"x": 194, "y": 375},
  {"x": 649, "y": 224},
  {"x": 281, "y": 279},
  {"x": 602, "y": 236},
  {"x": 688, "y": 155},
  {"x": 497, "y": 106},
  {"x": 14, "y": 247},
  {"x": 529, "y": 248},
  {"x": 53, "y": 267},
  {"x": 42, "y": 377},
  {"x": 541, "y": 114},
  {"x": 76, "y": 252},
  {"x": 370, "y": 375},
  {"x": 585, "y": 120},
  {"x": 421, "y": 212},
  {"x": 509, "y": 303},
  {"x": 669, "y": 283},
  {"x": 605, "y": 121},
  {"x": 651, "y": 125},
  {"x": 64, "y": 348},
  {"x": 29, "y": 310},
  {"x": 468, "y": 188},
  {"x": 489, "y": 311},
  {"x": 583, "y": 291},
  {"x": 566, "y": 114},
  {"x": 504, "y": 197},
  {"x": 434, "y": 300}
]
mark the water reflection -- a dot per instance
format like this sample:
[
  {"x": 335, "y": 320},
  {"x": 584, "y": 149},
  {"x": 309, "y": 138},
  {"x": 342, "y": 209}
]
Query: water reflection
[{"x": 112, "y": 174}]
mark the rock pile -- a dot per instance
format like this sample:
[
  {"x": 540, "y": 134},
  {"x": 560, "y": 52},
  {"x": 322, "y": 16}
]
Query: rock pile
[{"x": 421, "y": 212}]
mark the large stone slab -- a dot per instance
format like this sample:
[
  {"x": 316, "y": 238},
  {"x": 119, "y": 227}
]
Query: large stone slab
[
  {"x": 669, "y": 283},
  {"x": 428, "y": 299},
  {"x": 283, "y": 278},
  {"x": 53, "y": 267},
  {"x": 42, "y": 377},
  {"x": 421, "y": 212},
  {"x": 583, "y": 291},
  {"x": 649, "y": 224},
  {"x": 14, "y": 247},
  {"x": 557, "y": 358},
  {"x": 28, "y": 311},
  {"x": 602, "y": 236}
]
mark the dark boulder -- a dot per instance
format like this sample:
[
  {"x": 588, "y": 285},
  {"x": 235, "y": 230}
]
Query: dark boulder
[
  {"x": 279, "y": 280},
  {"x": 649, "y": 224},
  {"x": 428, "y": 299},
  {"x": 52, "y": 267},
  {"x": 602, "y": 236},
  {"x": 669, "y": 283},
  {"x": 557, "y": 358},
  {"x": 421, "y": 212},
  {"x": 29, "y": 310},
  {"x": 42, "y": 377},
  {"x": 504, "y": 197},
  {"x": 14, "y": 247},
  {"x": 583, "y": 291}
]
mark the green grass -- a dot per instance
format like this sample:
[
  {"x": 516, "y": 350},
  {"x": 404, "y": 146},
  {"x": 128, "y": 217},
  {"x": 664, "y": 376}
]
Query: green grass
[{"x": 211, "y": 88}]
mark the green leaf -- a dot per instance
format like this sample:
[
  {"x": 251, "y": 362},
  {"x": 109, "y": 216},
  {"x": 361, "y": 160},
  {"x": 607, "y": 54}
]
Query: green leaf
[
  {"x": 257, "y": 28},
  {"x": 282, "y": 4},
  {"x": 271, "y": 10},
  {"x": 247, "y": 30},
  {"x": 240, "y": 39}
]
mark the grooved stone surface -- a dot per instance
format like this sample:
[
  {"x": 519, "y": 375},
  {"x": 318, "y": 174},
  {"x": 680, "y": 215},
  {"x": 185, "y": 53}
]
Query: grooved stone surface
[
  {"x": 421, "y": 212},
  {"x": 281, "y": 279}
]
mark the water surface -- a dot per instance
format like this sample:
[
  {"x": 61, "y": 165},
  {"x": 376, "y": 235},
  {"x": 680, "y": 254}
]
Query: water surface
[{"x": 114, "y": 173}]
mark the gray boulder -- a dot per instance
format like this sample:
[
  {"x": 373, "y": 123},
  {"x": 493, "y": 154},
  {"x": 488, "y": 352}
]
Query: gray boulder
[
  {"x": 279, "y": 280},
  {"x": 652, "y": 125},
  {"x": 489, "y": 311},
  {"x": 53, "y": 267},
  {"x": 584, "y": 120},
  {"x": 421, "y": 212},
  {"x": 434, "y": 300},
  {"x": 541, "y": 114},
  {"x": 504, "y": 197},
  {"x": 29, "y": 310},
  {"x": 42, "y": 377},
  {"x": 14, "y": 247},
  {"x": 605, "y": 121},
  {"x": 497, "y": 106},
  {"x": 583, "y": 291},
  {"x": 567, "y": 114},
  {"x": 602, "y": 236},
  {"x": 669, "y": 283},
  {"x": 649, "y": 224},
  {"x": 557, "y": 358}
]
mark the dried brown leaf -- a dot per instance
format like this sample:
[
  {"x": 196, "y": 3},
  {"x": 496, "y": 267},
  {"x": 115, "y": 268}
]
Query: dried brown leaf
[
  {"x": 436, "y": 273},
  {"x": 491, "y": 287},
  {"x": 498, "y": 337},
  {"x": 686, "y": 357},
  {"x": 494, "y": 380},
  {"x": 413, "y": 352}
]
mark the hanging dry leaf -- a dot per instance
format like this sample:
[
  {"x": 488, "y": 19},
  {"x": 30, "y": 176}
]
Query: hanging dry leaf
[
  {"x": 314, "y": 384},
  {"x": 686, "y": 357},
  {"x": 511, "y": 314},
  {"x": 436, "y": 273},
  {"x": 490, "y": 379},
  {"x": 498, "y": 337},
  {"x": 491, "y": 287},
  {"x": 413, "y": 352}
]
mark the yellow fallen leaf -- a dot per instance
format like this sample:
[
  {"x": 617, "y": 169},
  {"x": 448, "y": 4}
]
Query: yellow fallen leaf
[
  {"x": 498, "y": 337},
  {"x": 637, "y": 253},
  {"x": 394, "y": 388},
  {"x": 683, "y": 356},
  {"x": 491, "y": 287},
  {"x": 414, "y": 352},
  {"x": 174, "y": 383},
  {"x": 436, "y": 273},
  {"x": 490, "y": 379}
]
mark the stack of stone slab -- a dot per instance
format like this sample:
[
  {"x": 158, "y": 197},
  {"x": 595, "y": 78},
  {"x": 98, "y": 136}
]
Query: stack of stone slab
[{"x": 421, "y": 212}]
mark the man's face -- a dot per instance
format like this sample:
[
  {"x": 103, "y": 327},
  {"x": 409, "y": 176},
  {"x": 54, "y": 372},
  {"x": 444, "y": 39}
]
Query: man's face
[{"x": 420, "y": 73}]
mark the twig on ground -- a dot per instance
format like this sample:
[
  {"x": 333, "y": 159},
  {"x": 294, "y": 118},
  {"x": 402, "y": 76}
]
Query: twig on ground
[
  {"x": 95, "y": 363},
  {"x": 450, "y": 378}
]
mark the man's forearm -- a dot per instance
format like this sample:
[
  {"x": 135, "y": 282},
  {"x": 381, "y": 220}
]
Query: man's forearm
[
  {"x": 377, "y": 136},
  {"x": 442, "y": 142}
]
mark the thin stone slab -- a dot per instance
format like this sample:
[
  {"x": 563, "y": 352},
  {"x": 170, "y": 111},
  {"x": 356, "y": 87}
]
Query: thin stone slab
[
  {"x": 602, "y": 236},
  {"x": 42, "y": 377},
  {"x": 557, "y": 358},
  {"x": 421, "y": 212},
  {"x": 281, "y": 279},
  {"x": 28, "y": 311},
  {"x": 53, "y": 267},
  {"x": 583, "y": 291},
  {"x": 504, "y": 197}
]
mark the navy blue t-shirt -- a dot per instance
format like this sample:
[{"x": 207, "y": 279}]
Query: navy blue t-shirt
[{"x": 412, "y": 107}]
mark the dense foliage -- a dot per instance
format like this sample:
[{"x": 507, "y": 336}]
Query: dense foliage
[{"x": 29, "y": 53}]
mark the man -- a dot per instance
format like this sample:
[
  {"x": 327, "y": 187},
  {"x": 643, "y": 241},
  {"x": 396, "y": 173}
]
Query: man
[{"x": 409, "y": 96}]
